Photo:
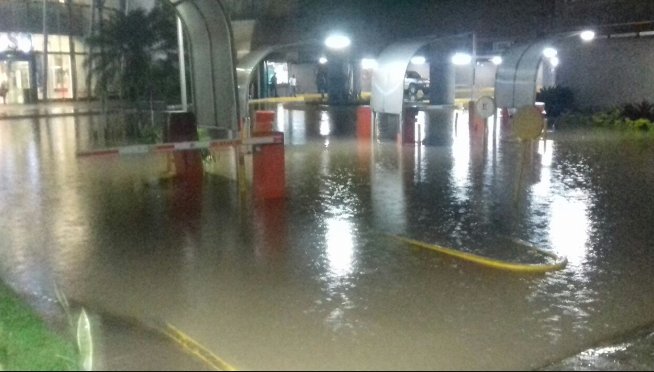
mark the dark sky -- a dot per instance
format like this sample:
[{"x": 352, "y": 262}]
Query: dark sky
[{"x": 380, "y": 21}]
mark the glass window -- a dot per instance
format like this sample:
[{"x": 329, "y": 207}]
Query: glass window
[
  {"x": 280, "y": 69},
  {"x": 59, "y": 78}
]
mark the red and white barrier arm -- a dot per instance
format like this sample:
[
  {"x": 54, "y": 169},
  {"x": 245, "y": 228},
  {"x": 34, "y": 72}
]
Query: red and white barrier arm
[{"x": 166, "y": 148}]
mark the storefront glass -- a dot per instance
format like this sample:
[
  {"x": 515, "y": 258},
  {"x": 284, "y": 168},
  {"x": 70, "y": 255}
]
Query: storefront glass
[{"x": 15, "y": 76}]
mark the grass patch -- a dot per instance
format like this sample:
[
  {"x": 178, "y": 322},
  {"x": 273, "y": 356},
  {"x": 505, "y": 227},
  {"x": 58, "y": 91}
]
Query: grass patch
[{"x": 25, "y": 341}]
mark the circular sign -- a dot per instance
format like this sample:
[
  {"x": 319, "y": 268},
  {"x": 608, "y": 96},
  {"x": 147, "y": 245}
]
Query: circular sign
[
  {"x": 485, "y": 107},
  {"x": 528, "y": 122}
]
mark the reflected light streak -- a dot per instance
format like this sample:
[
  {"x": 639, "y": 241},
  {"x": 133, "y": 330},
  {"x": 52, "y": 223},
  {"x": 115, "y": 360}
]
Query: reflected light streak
[
  {"x": 325, "y": 127},
  {"x": 546, "y": 151},
  {"x": 421, "y": 122},
  {"x": 569, "y": 227},
  {"x": 298, "y": 132},
  {"x": 340, "y": 246},
  {"x": 281, "y": 118},
  {"x": 33, "y": 166},
  {"x": 461, "y": 155}
]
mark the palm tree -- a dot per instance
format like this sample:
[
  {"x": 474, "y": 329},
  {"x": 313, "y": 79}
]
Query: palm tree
[
  {"x": 128, "y": 42},
  {"x": 139, "y": 53},
  {"x": 138, "y": 62}
]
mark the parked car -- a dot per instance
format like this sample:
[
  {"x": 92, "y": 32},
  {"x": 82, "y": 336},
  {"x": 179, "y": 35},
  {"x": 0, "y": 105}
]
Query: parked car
[{"x": 413, "y": 83}]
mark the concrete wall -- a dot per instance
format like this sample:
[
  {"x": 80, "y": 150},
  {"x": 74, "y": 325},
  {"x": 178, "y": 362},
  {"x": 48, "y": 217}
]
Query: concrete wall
[{"x": 608, "y": 72}]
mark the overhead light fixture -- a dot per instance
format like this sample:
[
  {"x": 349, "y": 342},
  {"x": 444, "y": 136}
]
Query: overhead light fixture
[
  {"x": 337, "y": 41},
  {"x": 461, "y": 59},
  {"x": 497, "y": 60},
  {"x": 322, "y": 60},
  {"x": 418, "y": 60},
  {"x": 368, "y": 63},
  {"x": 587, "y": 35},
  {"x": 554, "y": 61},
  {"x": 550, "y": 52}
]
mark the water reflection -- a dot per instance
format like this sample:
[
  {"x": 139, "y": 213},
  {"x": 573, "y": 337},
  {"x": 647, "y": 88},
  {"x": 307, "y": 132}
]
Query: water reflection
[
  {"x": 312, "y": 276},
  {"x": 325, "y": 126},
  {"x": 340, "y": 246}
]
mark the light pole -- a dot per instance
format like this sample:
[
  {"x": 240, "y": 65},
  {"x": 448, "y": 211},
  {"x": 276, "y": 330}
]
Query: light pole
[
  {"x": 45, "y": 50},
  {"x": 182, "y": 64},
  {"x": 338, "y": 85}
]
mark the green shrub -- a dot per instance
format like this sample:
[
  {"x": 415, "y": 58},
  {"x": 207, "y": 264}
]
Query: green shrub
[
  {"x": 607, "y": 119},
  {"x": 574, "y": 120},
  {"x": 643, "y": 125},
  {"x": 558, "y": 100},
  {"x": 631, "y": 117},
  {"x": 25, "y": 341},
  {"x": 643, "y": 110}
]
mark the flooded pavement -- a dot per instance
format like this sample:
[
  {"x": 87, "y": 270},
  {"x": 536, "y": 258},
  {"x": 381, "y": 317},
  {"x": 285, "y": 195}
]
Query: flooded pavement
[
  {"x": 313, "y": 281},
  {"x": 633, "y": 353}
]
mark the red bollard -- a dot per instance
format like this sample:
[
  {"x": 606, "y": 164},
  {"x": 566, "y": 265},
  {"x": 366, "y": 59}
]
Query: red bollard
[
  {"x": 409, "y": 126},
  {"x": 364, "y": 123},
  {"x": 182, "y": 128},
  {"x": 264, "y": 121},
  {"x": 505, "y": 117},
  {"x": 476, "y": 123},
  {"x": 269, "y": 168}
]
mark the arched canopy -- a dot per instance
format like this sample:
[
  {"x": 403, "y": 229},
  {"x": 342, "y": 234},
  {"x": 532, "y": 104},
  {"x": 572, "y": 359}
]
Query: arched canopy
[
  {"x": 516, "y": 78},
  {"x": 212, "y": 62},
  {"x": 245, "y": 72},
  {"x": 388, "y": 77},
  {"x": 246, "y": 68}
]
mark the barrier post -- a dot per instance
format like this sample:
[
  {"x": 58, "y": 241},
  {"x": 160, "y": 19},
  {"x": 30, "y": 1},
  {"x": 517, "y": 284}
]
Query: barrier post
[
  {"x": 476, "y": 123},
  {"x": 264, "y": 121},
  {"x": 269, "y": 168},
  {"x": 409, "y": 125},
  {"x": 182, "y": 127},
  {"x": 268, "y": 160},
  {"x": 364, "y": 123}
]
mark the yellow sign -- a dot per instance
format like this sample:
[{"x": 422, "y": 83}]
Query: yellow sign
[{"x": 528, "y": 123}]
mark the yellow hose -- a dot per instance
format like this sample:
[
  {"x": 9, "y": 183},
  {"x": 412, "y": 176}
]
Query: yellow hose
[
  {"x": 560, "y": 262},
  {"x": 195, "y": 348}
]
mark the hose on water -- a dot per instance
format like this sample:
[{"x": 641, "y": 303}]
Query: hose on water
[{"x": 559, "y": 261}]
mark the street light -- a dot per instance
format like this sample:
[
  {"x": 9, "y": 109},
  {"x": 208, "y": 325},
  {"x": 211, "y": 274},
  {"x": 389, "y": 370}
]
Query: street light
[
  {"x": 337, "y": 41},
  {"x": 368, "y": 63},
  {"x": 587, "y": 35},
  {"x": 497, "y": 60},
  {"x": 418, "y": 60},
  {"x": 461, "y": 59},
  {"x": 550, "y": 52}
]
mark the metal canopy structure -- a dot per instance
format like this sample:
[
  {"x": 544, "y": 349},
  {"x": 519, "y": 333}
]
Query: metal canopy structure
[
  {"x": 516, "y": 78},
  {"x": 246, "y": 69},
  {"x": 388, "y": 78},
  {"x": 212, "y": 62},
  {"x": 245, "y": 72}
]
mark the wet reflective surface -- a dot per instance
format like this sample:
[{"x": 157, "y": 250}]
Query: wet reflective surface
[{"x": 312, "y": 281}]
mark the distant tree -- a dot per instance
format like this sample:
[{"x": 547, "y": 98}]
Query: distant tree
[
  {"x": 558, "y": 100},
  {"x": 138, "y": 60},
  {"x": 165, "y": 69}
]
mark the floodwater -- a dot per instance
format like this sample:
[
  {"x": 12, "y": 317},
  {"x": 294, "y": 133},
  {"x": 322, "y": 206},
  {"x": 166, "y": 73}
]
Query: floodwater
[{"x": 313, "y": 281}]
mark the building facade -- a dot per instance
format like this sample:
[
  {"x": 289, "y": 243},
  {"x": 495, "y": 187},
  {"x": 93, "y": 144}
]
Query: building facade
[{"x": 42, "y": 49}]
